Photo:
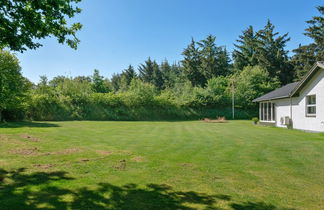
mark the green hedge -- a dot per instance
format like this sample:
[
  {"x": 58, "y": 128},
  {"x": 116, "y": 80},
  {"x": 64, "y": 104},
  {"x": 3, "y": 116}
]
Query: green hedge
[{"x": 123, "y": 106}]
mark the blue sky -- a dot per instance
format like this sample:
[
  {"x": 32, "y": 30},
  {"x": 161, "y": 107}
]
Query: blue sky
[{"x": 117, "y": 33}]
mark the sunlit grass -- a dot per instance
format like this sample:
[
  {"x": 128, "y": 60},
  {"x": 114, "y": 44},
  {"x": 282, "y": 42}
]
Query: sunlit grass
[{"x": 159, "y": 165}]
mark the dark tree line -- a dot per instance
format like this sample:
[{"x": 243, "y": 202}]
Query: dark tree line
[{"x": 265, "y": 48}]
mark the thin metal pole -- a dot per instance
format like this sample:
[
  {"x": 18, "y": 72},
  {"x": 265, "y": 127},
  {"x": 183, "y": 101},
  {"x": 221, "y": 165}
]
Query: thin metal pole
[{"x": 233, "y": 101}]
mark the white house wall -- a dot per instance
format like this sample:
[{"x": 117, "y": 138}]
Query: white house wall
[
  {"x": 314, "y": 87},
  {"x": 297, "y": 109},
  {"x": 282, "y": 109}
]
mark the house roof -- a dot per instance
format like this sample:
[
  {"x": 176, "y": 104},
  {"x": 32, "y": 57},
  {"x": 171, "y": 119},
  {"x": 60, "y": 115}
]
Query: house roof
[
  {"x": 318, "y": 65},
  {"x": 282, "y": 92},
  {"x": 291, "y": 89}
]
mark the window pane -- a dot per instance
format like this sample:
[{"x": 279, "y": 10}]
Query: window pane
[
  {"x": 273, "y": 112},
  {"x": 311, "y": 110},
  {"x": 311, "y": 100},
  {"x": 266, "y": 112},
  {"x": 263, "y": 111},
  {"x": 269, "y": 112}
]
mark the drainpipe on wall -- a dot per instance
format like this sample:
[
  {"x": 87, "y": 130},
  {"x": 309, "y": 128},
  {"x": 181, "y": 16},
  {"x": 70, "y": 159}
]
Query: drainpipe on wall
[{"x": 291, "y": 116}]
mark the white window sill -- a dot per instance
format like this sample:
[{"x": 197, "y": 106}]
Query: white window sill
[
  {"x": 310, "y": 115},
  {"x": 267, "y": 121}
]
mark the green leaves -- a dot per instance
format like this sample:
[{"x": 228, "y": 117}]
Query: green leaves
[
  {"x": 24, "y": 22},
  {"x": 13, "y": 86}
]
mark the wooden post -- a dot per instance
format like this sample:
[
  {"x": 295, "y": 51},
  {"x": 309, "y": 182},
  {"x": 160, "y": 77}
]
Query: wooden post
[{"x": 260, "y": 109}]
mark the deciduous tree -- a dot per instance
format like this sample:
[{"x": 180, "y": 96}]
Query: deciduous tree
[
  {"x": 12, "y": 83},
  {"x": 24, "y": 22}
]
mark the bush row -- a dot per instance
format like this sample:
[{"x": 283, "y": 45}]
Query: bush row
[{"x": 122, "y": 106}]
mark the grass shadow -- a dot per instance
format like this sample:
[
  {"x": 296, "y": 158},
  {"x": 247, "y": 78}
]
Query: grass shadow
[
  {"x": 46, "y": 190},
  {"x": 256, "y": 206},
  {"x": 29, "y": 124}
]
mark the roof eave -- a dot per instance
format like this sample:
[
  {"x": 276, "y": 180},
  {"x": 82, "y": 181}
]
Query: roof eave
[
  {"x": 270, "y": 99},
  {"x": 306, "y": 77}
]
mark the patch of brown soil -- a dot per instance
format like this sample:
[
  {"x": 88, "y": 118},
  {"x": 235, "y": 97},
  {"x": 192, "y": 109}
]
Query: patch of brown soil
[
  {"x": 29, "y": 138},
  {"x": 103, "y": 152},
  {"x": 64, "y": 152},
  {"x": 43, "y": 166},
  {"x": 84, "y": 160},
  {"x": 29, "y": 151},
  {"x": 219, "y": 120},
  {"x": 138, "y": 159},
  {"x": 3, "y": 137}
]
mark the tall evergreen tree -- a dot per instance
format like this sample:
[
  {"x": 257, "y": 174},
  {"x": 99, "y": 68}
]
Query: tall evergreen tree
[
  {"x": 209, "y": 57},
  {"x": 306, "y": 55},
  {"x": 214, "y": 60},
  {"x": 129, "y": 74},
  {"x": 191, "y": 65},
  {"x": 315, "y": 31},
  {"x": 116, "y": 82},
  {"x": 146, "y": 71},
  {"x": 224, "y": 66},
  {"x": 246, "y": 52},
  {"x": 169, "y": 76},
  {"x": 157, "y": 80},
  {"x": 272, "y": 55}
]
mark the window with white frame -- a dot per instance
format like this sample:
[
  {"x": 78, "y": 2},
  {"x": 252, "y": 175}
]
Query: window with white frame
[
  {"x": 267, "y": 112},
  {"x": 311, "y": 106}
]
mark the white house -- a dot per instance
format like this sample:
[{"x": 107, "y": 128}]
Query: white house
[{"x": 298, "y": 105}]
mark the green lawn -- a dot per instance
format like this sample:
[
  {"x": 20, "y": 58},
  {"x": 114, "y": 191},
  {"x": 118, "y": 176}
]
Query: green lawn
[{"x": 159, "y": 165}]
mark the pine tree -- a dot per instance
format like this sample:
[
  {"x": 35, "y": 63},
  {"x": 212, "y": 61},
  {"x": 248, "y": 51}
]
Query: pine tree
[
  {"x": 116, "y": 82},
  {"x": 246, "y": 52},
  {"x": 129, "y": 74},
  {"x": 306, "y": 55},
  {"x": 167, "y": 74},
  {"x": 146, "y": 71},
  {"x": 272, "y": 55},
  {"x": 192, "y": 65},
  {"x": 303, "y": 59},
  {"x": 223, "y": 64},
  {"x": 208, "y": 55},
  {"x": 315, "y": 31},
  {"x": 157, "y": 81}
]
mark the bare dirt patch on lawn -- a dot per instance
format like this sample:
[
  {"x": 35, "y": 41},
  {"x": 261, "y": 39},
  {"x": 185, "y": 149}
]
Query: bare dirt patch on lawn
[
  {"x": 218, "y": 120},
  {"x": 26, "y": 151},
  {"x": 3, "y": 137},
  {"x": 137, "y": 159},
  {"x": 65, "y": 152},
  {"x": 29, "y": 138},
  {"x": 103, "y": 152}
]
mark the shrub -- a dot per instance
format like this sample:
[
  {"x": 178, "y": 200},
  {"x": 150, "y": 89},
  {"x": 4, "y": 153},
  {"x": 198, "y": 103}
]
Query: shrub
[{"x": 255, "y": 120}]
